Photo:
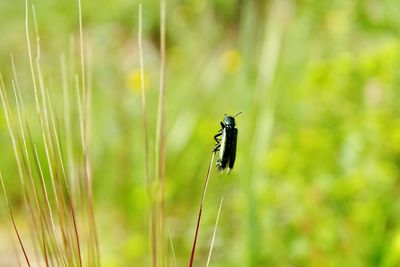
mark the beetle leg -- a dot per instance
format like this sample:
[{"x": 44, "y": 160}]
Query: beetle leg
[
  {"x": 216, "y": 136},
  {"x": 218, "y": 140},
  {"x": 216, "y": 147}
]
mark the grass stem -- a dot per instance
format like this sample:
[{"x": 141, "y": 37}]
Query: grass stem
[
  {"x": 152, "y": 231},
  {"x": 13, "y": 222},
  {"x": 201, "y": 210},
  {"x": 214, "y": 233},
  {"x": 160, "y": 134}
]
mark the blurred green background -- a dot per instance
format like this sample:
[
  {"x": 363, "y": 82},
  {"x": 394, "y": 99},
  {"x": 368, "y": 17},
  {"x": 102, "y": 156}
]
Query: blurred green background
[{"x": 317, "y": 177}]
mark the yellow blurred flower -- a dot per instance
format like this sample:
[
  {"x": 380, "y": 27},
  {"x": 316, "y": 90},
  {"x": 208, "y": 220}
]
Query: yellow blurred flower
[
  {"x": 133, "y": 80},
  {"x": 231, "y": 61}
]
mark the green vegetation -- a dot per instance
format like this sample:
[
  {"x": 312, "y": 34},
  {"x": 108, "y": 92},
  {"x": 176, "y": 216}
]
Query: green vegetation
[{"x": 316, "y": 181}]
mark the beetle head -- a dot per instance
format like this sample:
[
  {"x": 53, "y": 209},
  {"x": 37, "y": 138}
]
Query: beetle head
[{"x": 229, "y": 121}]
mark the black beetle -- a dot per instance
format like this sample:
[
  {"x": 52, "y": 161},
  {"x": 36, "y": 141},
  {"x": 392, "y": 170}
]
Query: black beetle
[{"x": 226, "y": 139}]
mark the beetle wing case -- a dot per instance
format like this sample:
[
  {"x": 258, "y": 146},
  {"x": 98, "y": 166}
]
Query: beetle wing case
[
  {"x": 227, "y": 152},
  {"x": 232, "y": 147}
]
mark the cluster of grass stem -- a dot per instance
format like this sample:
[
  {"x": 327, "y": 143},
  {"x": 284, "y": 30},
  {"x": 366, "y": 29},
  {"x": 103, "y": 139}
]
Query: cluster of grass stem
[{"x": 62, "y": 225}]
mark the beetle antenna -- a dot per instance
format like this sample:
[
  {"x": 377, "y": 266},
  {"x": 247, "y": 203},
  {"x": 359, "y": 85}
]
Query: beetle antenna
[{"x": 237, "y": 114}]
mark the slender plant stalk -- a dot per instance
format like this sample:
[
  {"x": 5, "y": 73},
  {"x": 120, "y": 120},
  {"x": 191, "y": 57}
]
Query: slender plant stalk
[
  {"x": 85, "y": 146},
  {"x": 67, "y": 125},
  {"x": 13, "y": 221},
  {"x": 201, "y": 210},
  {"x": 214, "y": 233},
  {"x": 149, "y": 182},
  {"x": 172, "y": 247},
  {"x": 160, "y": 135}
]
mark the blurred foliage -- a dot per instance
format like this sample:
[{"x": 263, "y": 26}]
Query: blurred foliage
[{"x": 316, "y": 181}]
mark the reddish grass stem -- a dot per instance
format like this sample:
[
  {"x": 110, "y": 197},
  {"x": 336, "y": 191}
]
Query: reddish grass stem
[
  {"x": 13, "y": 222},
  {"x": 201, "y": 210}
]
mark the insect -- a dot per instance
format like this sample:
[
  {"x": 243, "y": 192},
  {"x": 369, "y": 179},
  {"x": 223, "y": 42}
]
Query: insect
[{"x": 226, "y": 139}]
